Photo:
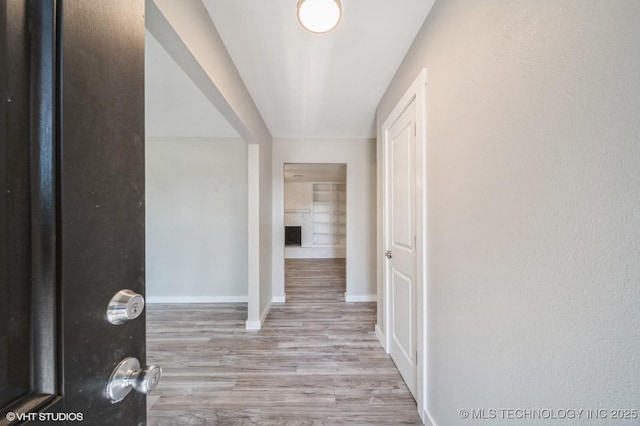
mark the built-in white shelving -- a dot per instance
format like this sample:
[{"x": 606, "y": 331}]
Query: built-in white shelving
[{"x": 329, "y": 214}]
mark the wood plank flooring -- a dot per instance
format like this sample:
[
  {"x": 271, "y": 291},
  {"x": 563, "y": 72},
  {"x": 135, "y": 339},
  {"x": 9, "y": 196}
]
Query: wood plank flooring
[{"x": 315, "y": 362}]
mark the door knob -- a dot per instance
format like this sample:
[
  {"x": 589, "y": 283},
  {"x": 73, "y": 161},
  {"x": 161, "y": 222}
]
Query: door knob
[
  {"x": 124, "y": 306},
  {"x": 389, "y": 254},
  {"x": 128, "y": 375}
]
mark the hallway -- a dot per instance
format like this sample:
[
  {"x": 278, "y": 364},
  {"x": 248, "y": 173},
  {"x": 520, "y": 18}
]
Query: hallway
[{"x": 315, "y": 362}]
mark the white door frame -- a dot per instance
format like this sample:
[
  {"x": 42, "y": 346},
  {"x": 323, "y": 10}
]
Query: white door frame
[{"x": 418, "y": 92}]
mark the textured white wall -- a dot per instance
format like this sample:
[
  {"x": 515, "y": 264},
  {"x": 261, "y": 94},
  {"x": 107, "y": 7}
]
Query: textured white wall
[
  {"x": 360, "y": 157},
  {"x": 196, "y": 191},
  {"x": 533, "y": 206}
]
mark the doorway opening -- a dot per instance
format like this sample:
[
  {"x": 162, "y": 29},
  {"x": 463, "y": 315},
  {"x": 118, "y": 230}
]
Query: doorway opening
[
  {"x": 315, "y": 217},
  {"x": 197, "y": 236},
  {"x": 197, "y": 191}
]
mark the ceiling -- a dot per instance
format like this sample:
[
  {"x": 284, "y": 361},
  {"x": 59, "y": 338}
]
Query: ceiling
[
  {"x": 174, "y": 106},
  {"x": 315, "y": 173},
  {"x": 317, "y": 86}
]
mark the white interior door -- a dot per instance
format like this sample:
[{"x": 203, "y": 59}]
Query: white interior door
[{"x": 400, "y": 185}]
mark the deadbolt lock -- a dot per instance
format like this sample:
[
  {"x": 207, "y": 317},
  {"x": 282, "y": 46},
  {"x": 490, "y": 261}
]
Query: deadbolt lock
[{"x": 124, "y": 306}]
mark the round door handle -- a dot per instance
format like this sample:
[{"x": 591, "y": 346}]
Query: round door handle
[
  {"x": 128, "y": 375},
  {"x": 389, "y": 254},
  {"x": 124, "y": 306},
  {"x": 146, "y": 379}
]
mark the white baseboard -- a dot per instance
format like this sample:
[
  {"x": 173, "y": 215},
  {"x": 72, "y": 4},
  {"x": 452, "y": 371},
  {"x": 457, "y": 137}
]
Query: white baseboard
[
  {"x": 257, "y": 325},
  {"x": 196, "y": 299},
  {"x": 428, "y": 419},
  {"x": 360, "y": 298},
  {"x": 279, "y": 299},
  {"x": 380, "y": 337},
  {"x": 253, "y": 325},
  {"x": 263, "y": 317}
]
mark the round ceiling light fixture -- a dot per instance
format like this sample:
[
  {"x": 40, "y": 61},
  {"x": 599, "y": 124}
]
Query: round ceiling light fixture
[{"x": 319, "y": 16}]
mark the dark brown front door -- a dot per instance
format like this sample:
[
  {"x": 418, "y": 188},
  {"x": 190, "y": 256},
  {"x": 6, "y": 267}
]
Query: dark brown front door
[{"x": 71, "y": 207}]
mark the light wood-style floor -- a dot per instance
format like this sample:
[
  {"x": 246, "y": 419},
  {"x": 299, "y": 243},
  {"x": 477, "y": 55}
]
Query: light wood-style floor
[{"x": 315, "y": 362}]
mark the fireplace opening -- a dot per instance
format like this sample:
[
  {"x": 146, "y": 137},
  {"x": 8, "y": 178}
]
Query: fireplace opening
[{"x": 293, "y": 235}]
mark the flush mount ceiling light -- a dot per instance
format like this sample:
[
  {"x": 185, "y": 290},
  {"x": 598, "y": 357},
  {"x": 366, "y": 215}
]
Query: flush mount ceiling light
[{"x": 319, "y": 16}]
